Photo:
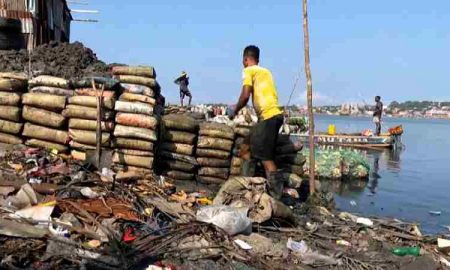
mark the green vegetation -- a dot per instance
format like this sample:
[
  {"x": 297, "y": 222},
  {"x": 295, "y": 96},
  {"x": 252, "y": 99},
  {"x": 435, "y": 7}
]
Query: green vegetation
[{"x": 417, "y": 105}]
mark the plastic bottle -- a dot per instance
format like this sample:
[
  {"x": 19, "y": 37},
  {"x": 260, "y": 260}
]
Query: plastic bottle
[{"x": 402, "y": 251}]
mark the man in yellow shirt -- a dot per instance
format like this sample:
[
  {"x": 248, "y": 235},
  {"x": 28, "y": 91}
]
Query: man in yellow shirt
[{"x": 258, "y": 83}]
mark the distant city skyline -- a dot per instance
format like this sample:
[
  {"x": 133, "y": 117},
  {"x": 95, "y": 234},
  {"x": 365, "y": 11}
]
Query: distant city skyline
[{"x": 359, "y": 49}]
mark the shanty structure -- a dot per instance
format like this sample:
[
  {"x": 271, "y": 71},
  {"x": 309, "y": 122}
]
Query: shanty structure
[{"x": 42, "y": 20}]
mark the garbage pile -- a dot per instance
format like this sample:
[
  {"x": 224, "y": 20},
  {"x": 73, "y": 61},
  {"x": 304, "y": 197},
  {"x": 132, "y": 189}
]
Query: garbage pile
[
  {"x": 11, "y": 88},
  {"x": 82, "y": 112},
  {"x": 136, "y": 125},
  {"x": 177, "y": 147},
  {"x": 65, "y": 60},
  {"x": 214, "y": 152},
  {"x": 61, "y": 216},
  {"x": 46, "y": 124},
  {"x": 338, "y": 164}
]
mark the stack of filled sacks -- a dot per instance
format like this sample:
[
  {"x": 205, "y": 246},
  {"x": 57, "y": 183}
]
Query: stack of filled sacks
[
  {"x": 42, "y": 109},
  {"x": 242, "y": 132},
  {"x": 11, "y": 87},
  {"x": 213, "y": 152},
  {"x": 288, "y": 155},
  {"x": 82, "y": 113},
  {"x": 136, "y": 126},
  {"x": 176, "y": 151}
]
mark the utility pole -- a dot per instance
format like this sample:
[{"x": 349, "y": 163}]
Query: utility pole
[{"x": 312, "y": 183}]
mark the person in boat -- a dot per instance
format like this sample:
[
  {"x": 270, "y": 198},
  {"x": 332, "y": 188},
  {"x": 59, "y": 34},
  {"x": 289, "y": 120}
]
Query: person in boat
[
  {"x": 377, "y": 115},
  {"x": 258, "y": 83},
  {"x": 183, "y": 82}
]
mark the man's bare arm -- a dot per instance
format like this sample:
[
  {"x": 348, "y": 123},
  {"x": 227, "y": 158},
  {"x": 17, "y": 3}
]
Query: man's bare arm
[{"x": 243, "y": 99}]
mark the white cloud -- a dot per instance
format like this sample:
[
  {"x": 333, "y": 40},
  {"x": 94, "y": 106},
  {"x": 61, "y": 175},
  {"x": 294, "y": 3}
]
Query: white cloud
[{"x": 318, "y": 99}]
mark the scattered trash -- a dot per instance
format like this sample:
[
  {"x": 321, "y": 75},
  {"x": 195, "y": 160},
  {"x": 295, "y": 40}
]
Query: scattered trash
[
  {"x": 444, "y": 245},
  {"x": 343, "y": 243},
  {"x": 352, "y": 203},
  {"x": 300, "y": 247},
  {"x": 403, "y": 251},
  {"x": 242, "y": 244},
  {"x": 364, "y": 221},
  {"x": 231, "y": 219}
]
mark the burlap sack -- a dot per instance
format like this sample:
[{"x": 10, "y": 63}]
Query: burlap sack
[
  {"x": 44, "y": 101},
  {"x": 135, "y": 132},
  {"x": 137, "y": 120},
  {"x": 44, "y": 133},
  {"x": 43, "y": 117}
]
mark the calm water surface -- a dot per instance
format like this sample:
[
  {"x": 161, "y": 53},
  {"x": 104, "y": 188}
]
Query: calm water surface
[{"x": 406, "y": 184}]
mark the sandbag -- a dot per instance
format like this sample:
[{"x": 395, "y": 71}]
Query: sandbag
[
  {"x": 94, "y": 93},
  {"x": 10, "y": 127},
  {"x": 212, "y": 153},
  {"x": 43, "y": 117},
  {"x": 213, "y": 162},
  {"x": 143, "y": 71},
  {"x": 135, "y": 152},
  {"x": 143, "y": 162},
  {"x": 214, "y": 143},
  {"x": 108, "y": 83},
  {"x": 134, "y": 107},
  {"x": 81, "y": 146},
  {"x": 44, "y": 101},
  {"x": 44, "y": 133},
  {"x": 52, "y": 91},
  {"x": 46, "y": 80},
  {"x": 132, "y": 144},
  {"x": 289, "y": 147},
  {"x": 9, "y": 99},
  {"x": 137, "y": 98},
  {"x": 82, "y": 112},
  {"x": 152, "y": 83},
  {"x": 210, "y": 180},
  {"x": 295, "y": 159},
  {"x": 178, "y": 175},
  {"x": 138, "y": 89},
  {"x": 296, "y": 169},
  {"x": 78, "y": 155},
  {"x": 14, "y": 75},
  {"x": 10, "y": 139},
  {"x": 12, "y": 85},
  {"x": 136, "y": 120},
  {"x": 178, "y": 165},
  {"x": 11, "y": 113},
  {"x": 222, "y": 173},
  {"x": 179, "y": 157},
  {"x": 89, "y": 137},
  {"x": 90, "y": 124},
  {"x": 179, "y": 136},
  {"x": 180, "y": 122},
  {"x": 135, "y": 132},
  {"x": 90, "y": 101},
  {"x": 47, "y": 145},
  {"x": 235, "y": 171},
  {"x": 179, "y": 148},
  {"x": 236, "y": 162},
  {"x": 216, "y": 130},
  {"x": 243, "y": 132}
]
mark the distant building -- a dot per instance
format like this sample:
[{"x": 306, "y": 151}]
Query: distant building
[
  {"x": 42, "y": 20},
  {"x": 437, "y": 113}
]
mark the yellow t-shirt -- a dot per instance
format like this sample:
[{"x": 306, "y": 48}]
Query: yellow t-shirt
[{"x": 265, "y": 99}]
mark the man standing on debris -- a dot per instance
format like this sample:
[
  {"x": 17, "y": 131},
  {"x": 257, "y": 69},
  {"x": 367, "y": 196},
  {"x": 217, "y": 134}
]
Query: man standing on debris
[
  {"x": 258, "y": 83},
  {"x": 377, "y": 115},
  {"x": 183, "y": 81}
]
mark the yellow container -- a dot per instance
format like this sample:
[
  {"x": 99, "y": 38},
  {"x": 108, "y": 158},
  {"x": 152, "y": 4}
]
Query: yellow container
[{"x": 331, "y": 130}]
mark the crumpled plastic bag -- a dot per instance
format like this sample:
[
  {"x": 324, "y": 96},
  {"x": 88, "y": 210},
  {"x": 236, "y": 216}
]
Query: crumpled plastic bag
[{"x": 233, "y": 220}]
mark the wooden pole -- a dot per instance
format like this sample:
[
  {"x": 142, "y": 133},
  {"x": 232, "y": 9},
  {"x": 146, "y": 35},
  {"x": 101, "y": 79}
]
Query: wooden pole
[{"x": 312, "y": 186}]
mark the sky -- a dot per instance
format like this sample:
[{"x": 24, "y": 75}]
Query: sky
[{"x": 396, "y": 49}]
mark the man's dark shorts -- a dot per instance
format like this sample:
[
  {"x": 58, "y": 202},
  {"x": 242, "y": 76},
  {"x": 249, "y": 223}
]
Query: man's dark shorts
[
  {"x": 264, "y": 136},
  {"x": 184, "y": 93}
]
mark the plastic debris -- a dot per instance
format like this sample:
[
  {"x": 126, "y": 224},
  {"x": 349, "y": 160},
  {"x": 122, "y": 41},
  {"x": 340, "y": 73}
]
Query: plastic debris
[
  {"x": 242, "y": 244},
  {"x": 352, "y": 203},
  {"x": 364, "y": 221},
  {"x": 231, "y": 219},
  {"x": 343, "y": 243},
  {"x": 435, "y": 213}
]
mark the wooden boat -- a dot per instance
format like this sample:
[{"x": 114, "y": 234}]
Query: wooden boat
[{"x": 388, "y": 140}]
